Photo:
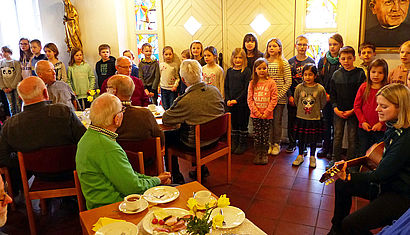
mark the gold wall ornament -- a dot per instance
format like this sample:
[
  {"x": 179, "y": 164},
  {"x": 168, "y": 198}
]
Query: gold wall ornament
[{"x": 72, "y": 26}]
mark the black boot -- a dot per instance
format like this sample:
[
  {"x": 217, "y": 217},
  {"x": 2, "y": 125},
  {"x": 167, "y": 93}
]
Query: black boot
[
  {"x": 324, "y": 151},
  {"x": 234, "y": 141},
  {"x": 243, "y": 143}
]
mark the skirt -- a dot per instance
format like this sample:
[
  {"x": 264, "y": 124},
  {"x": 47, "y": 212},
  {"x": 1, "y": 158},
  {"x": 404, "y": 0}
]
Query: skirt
[{"x": 309, "y": 131}]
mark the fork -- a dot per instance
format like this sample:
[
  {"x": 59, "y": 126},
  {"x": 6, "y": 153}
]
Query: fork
[{"x": 223, "y": 222}]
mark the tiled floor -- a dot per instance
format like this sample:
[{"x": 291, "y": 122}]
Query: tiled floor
[{"x": 277, "y": 197}]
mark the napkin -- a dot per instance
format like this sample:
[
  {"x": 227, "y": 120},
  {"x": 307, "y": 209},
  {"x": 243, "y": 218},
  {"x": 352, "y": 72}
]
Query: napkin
[{"x": 104, "y": 221}]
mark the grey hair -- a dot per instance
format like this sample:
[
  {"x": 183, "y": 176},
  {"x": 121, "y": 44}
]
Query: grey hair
[
  {"x": 123, "y": 84},
  {"x": 119, "y": 59},
  {"x": 191, "y": 71},
  {"x": 34, "y": 91},
  {"x": 104, "y": 109}
]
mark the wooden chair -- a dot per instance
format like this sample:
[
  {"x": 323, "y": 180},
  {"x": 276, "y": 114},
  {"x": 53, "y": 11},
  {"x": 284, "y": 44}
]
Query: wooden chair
[
  {"x": 52, "y": 160},
  {"x": 218, "y": 128},
  {"x": 153, "y": 153},
  {"x": 5, "y": 171},
  {"x": 136, "y": 160},
  {"x": 80, "y": 196}
]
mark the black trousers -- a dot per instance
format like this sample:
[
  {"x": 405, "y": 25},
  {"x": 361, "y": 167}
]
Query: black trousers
[
  {"x": 291, "y": 124},
  {"x": 381, "y": 210},
  {"x": 240, "y": 117},
  {"x": 328, "y": 114}
]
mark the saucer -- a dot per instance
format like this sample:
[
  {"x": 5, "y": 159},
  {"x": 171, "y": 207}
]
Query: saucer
[{"x": 144, "y": 205}]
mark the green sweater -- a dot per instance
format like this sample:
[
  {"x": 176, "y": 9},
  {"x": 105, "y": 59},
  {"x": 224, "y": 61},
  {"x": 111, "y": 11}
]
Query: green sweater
[
  {"x": 105, "y": 174},
  {"x": 81, "y": 79}
]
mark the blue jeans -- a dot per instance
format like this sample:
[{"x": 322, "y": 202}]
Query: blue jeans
[
  {"x": 167, "y": 98},
  {"x": 339, "y": 127},
  {"x": 276, "y": 131}
]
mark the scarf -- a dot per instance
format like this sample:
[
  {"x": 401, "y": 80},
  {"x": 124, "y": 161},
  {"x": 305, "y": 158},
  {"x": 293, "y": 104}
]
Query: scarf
[{"x": 332, "y": 60}]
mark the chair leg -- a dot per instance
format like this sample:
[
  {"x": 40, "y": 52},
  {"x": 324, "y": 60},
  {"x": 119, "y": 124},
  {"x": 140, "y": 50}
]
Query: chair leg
[
  {"x": 43, "y": 206},
  {"x": 10, "y": 189},
  {"x": 31, "y": 219},
  {"x": 198, "y": 173}
]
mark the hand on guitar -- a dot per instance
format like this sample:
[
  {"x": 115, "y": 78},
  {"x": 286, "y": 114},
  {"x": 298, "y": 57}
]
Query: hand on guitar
[{"x": 342, "y": 173}]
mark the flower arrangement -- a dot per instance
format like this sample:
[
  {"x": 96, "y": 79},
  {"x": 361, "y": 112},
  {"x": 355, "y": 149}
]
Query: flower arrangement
[
  {"x": 93, "y": 94},
  {"x": 201, "y": 225}
]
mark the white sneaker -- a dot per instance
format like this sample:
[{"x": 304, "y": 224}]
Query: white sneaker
[
  {"x": 270, "y": 149},
  {"x": 312, "y": 162},
  {"x": 299, "y": 160},
  {"x": 275, "y": 149}
]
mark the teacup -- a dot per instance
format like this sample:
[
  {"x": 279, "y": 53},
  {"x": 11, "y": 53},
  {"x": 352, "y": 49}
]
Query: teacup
[
  {"x": 203, "y": 197},
  {"x": 132, "y": 202},
  {"x": 152, "y": 107}
]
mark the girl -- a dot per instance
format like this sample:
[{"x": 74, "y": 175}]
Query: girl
[
  {"x": 388, "y": 186},
  {"x": 185, "y": 54},
  {"x": 10, "y": 76},
  {"x": 262, "y": 99},
  {"x": 370, "y": 130},
  {"x": 25, "y": 57},
  {"x": 51, "y": 51},
  {"x": 250, "y": 45},
  {"x": 310, "y": 98},
  {"x": 169, "y": 78},
  {"x": 327, "y": 66},
  {"x": 196, "y": 51},
  {"x": 80, "y": 77},
  {"x": 279, "y": 71},
  {"x": 236, "y": 87},
  {"x": 134, "y": 69},
  {"x": 212, "y": 73},
  {"x": 400, "y": 73}
]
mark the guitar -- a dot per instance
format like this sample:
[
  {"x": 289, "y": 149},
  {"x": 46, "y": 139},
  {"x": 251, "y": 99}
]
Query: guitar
[{"x": 371, "y": 160}]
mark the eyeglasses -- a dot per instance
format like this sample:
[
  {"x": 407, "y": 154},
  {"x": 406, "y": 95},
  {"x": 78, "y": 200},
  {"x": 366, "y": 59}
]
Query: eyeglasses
[
  {"x": 122, "y": 110},
  {"x": 23, "y": 44},
  {"x": 302, "y": 45},
  {"x": 125, "y": 67},
  {"x": 4, "y": 194}
]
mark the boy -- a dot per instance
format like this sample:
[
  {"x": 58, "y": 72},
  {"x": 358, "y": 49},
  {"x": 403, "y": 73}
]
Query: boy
[
  {"x": 10, "y": 76},
  {"x": 105, "y": 67},
  {"x": 35, "y": 46},
  {"x": 134, "y": 70},
  {"x": 296, "y": 65},
  {"x": 149, "y": 73},
  {"x": 344, "y": 85},
  {"x": 367, "y": 52}
]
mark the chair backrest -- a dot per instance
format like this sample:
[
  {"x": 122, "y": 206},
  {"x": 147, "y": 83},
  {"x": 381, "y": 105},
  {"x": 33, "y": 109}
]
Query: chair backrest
[
  {"x": 215, "y": 128},
  {"x": 136, "y": 160},
  {"x": 51, "y": 159},
  {"x": 80, "y": 195}
]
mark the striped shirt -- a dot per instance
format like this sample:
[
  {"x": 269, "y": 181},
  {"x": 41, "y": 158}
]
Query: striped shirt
[{"x": 283, "y": 81}]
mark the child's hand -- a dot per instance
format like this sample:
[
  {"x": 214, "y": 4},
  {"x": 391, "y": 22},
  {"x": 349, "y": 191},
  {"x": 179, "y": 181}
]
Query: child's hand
[
  {"x": 174, "y": 89},
  {"x": 229, "y": 103},
  {"x": 327, "y": 97},
  {"x": 339, "y": 113},
  {"x": 291, "y": 101},
  {"x": 234, "y": 102},
  {"x": 366, "y": 126},
  {"x": 146, "y": 91},
  {"x": 151, "y": 94},
  {"x": 264, "y": 116},
  {"x": 159, "y": 90},
  {"x": 377, "y": 127},
  {"x": 348, "y": 113}
]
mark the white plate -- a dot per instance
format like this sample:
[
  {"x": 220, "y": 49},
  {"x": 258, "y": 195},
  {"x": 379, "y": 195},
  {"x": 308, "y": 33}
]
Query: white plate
[
  {"x": 125, "y": 228},
  {"x": 233, "y": 216},
  {"x": 144, "y": 205},
  {"x": 149, "y": 226},
  {"x": 161, "y": 194}
]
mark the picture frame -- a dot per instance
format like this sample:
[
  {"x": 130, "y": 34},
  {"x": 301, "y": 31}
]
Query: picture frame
[{"x": 386, "y": 39}]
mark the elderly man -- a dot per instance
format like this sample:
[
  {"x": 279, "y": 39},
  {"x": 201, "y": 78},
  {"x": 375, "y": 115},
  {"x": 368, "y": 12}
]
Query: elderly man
[
  {"x": 59, "y": 92},
  {"x": 4, "y": 200},
  {"x": 41, "y": 124},
  {"x": 199, "y": 104},
  {"x": 105, "y": 173},
  {"x": 138, "y": 97}
]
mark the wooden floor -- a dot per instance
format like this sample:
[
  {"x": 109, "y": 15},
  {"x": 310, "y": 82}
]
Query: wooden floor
[{"x": 277, "y": 197}]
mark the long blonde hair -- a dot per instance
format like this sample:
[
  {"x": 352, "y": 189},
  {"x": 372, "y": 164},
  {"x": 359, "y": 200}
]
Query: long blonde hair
[
  {"x": 399, "y": 95},
  {"x": 239, "y": 51},
  {"x": 280, "y": 59}
]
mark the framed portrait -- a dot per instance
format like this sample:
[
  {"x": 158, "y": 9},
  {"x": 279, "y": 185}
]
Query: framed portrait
[{"x": 385, "y": 23}]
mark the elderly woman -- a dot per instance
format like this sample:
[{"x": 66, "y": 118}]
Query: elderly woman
[
  {"x": 199, "y": 104},
  {"x": 105, "y": 173},
  {"x": 388, "y": 186}
]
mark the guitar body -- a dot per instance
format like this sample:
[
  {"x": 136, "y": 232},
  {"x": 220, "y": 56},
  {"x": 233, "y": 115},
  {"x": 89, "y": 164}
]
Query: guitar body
[{"x": 370, "y": 161}]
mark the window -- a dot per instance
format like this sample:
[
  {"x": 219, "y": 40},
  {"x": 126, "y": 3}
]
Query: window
[{"x": 147, "y": 26}]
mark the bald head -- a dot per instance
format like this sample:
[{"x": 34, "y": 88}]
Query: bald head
[
  {"x": 122, "y": 86},
  {"x": 45, "y": 70},
  {"x": 123, "y": 65},
  {"x": 32, "y": 90},
  {"x": 104, "y": 110}
]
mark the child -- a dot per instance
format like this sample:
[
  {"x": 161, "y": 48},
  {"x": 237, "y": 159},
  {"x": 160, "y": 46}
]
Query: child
[
  {"x": 310, "y": 98},
  {"x": 370, "y": 130},
  {"x": 5, "y": 113},
  {"x": 212, "y": 73},
  {"x": 80, "y": 77},
  {"x": 134, "y": 69},
  {"x": 10, "y": 76},
  {"x": 236, "y": 87},
  {"x": 196, "y": 51},
  {"x": 169, "y": 78},
  {"x": 262, "y": 99},
  {"x": 184, "y": 56},
  {"x": 327, "y": 65},
  {"x": 25, "y": 57},
  {"x": 105, "y": 67},
  {"x": 37, "y": 56},
  {"x": 296, "y": 66},
  {"x": 250, "y": 45},
  {"x": 367, "y": 52},
  {"x": 400, "y": 73},
  {"x": 51, "y": 51},
  {"x": 149, "y": 73},
  {"x": 279, "y": 71},
  {"x": 343, "y": 89}
]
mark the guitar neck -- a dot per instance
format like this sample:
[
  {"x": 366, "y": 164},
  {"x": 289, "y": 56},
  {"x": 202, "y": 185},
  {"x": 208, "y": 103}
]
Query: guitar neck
[{"x": 354, "y": 162}]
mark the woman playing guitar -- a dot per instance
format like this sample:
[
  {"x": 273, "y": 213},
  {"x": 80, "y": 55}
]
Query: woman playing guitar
[{"x": 388, "y": 186}]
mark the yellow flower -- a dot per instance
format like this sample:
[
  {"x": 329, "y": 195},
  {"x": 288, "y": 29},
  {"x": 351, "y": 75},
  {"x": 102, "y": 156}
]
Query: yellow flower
[
  {"x": 217, "y": 220},
  {"x": 223, "y": 201},
  {"x": 90, "y": 98},
  {"x": 192, "y": 203},
  {"x": 92, "y": 92},
  {"x": 98, "y": 91}
]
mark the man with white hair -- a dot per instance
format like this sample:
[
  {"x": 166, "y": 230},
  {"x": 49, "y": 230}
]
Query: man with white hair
[
  {"x": 123, "y": 65},
  {"x": 199, "y": 104},
  {"x": 105, "y": 174},
  {"x": 59, "y": 92}
]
